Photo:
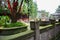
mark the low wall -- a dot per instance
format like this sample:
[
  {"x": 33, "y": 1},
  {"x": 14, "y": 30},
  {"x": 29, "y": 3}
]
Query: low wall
[{"x": 45, "y": 34}]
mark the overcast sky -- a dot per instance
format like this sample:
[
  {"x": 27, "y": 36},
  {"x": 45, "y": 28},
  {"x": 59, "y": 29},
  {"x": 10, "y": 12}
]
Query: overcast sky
[{"x": 48, "y": 5}]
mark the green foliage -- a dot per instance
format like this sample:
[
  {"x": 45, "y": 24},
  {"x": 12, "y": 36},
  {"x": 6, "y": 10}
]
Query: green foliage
[
  {"x": 4, "y": 20},
  {"x": 1, "y": 10},
  {"x": 0, "y": 17},
  {"x": 25, "y": 8},
  {"x": 4, "y": 9},
  {"x": 58, "y": 9},
  {"x": 32, "y": 9},
  {"x": 17, "y": 24}
]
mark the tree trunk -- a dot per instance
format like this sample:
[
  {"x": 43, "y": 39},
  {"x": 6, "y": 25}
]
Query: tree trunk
[
  {"x": 0, "y": 2},
  {"x": 13, "y": 19}
]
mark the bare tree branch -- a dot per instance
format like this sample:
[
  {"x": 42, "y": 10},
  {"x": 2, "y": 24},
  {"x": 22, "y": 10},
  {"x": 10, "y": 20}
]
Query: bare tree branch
[{"x": 20, "y": 6}]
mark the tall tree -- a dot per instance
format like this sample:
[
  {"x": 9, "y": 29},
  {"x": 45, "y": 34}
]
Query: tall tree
[
  {"x": 14, "y": 9},
  {"x": 0, "y": 6},
  {"x": 58, "y": 9},
  {"x": 32, "y": 9},
  {"x": 57, "y": 12}
]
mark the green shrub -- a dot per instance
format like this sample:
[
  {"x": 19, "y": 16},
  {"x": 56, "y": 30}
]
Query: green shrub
[
  {"x": 5, "y": 22},
  {"x": 17, "y": 24}
]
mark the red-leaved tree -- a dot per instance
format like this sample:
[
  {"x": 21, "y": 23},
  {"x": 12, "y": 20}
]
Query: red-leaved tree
[{"x": 14, "y": 10}]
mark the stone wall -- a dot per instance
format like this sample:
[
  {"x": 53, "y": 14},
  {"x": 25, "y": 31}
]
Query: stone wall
[{"x": 47, "y": 35}]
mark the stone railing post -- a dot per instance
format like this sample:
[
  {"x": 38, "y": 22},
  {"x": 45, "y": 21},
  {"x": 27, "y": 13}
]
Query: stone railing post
[{"x": 35, "y": 26}]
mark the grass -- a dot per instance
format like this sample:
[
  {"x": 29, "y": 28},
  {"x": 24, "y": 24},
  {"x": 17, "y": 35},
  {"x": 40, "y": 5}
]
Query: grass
[{"x": 11, "y": 25}]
